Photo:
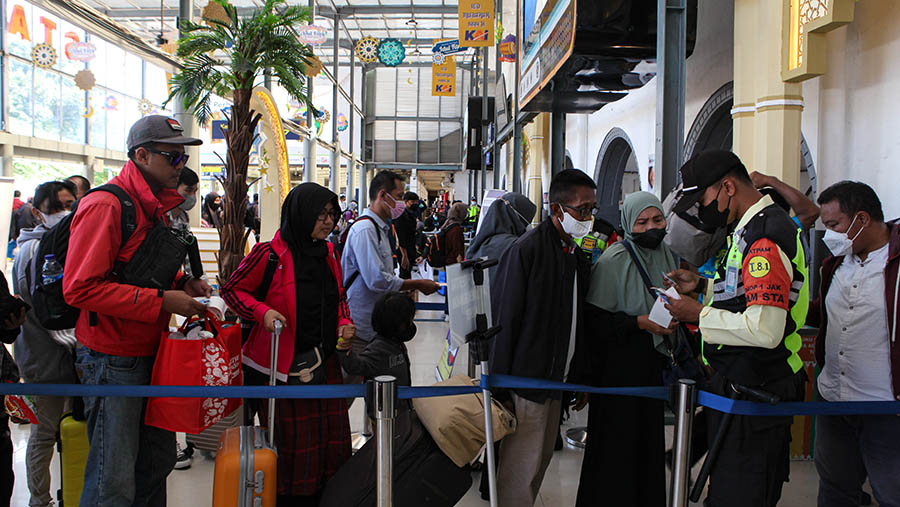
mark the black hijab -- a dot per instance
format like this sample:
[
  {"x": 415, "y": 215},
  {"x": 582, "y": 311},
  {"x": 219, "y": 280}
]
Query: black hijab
[{"x": 317, "y": 290}]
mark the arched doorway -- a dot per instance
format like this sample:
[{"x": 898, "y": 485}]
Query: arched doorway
[
  {"x": 713, "y": 129},
  {"x": 616, "y": 172}
]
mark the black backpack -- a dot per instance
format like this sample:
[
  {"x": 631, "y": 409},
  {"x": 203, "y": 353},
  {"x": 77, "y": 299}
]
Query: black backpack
[
  {"x": 436, "y": 248},
  {"x": 48, "y": 302}
]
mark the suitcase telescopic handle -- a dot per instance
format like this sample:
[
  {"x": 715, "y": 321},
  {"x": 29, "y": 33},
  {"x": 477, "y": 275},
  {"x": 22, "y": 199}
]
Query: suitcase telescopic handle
[{"x": 273, "y": 369}]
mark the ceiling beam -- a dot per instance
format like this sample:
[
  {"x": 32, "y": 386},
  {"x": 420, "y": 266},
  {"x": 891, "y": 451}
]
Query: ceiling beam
[{"x": 320, "y": 11}]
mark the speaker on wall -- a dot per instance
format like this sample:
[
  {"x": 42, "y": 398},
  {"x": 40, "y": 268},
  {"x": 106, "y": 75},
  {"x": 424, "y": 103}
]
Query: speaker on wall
[{"x": 474, "y": 131}]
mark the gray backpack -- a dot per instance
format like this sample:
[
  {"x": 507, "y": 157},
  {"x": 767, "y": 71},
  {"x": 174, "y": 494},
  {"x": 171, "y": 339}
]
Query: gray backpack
[{"x": 687, "y": 236}]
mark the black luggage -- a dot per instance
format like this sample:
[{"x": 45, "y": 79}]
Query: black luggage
[{"x": 423, "y": 474}]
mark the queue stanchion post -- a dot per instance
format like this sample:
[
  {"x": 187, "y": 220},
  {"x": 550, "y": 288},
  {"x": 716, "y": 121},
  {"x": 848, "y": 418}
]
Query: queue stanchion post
[
  {"x": 385, "y": 397},
  {"x": 684, "y": 395},
  {"x": 481, "y": 337}
]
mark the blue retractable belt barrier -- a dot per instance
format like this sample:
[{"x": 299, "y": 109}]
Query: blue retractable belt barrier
[
  {"x": 510, "y": 382},
  {"x": 704, "y": 398},
  {"x": 431, "y": 307},
  {"x": 741, "y": 407}
]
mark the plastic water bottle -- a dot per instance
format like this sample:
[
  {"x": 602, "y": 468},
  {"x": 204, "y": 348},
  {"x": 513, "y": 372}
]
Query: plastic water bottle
[{"x": 52, "y": 270}]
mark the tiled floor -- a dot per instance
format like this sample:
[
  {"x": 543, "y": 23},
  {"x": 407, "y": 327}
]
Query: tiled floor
[{"x": 193, "y": 487}]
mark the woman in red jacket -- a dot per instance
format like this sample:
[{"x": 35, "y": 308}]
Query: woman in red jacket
[{"x": 306, "y": 295}]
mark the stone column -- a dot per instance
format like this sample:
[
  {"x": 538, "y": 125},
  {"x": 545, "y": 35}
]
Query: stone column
[{"x": 766, "y": 109}]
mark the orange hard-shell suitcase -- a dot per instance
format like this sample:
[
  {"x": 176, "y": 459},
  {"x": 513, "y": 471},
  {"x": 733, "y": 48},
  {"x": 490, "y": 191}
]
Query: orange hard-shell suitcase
[
  {"x": 246, "y": 460},
  {"x": 245, "y": 469}
]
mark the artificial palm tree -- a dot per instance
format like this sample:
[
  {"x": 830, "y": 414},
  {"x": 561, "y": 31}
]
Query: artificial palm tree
[{"x": 227, "y": 56}]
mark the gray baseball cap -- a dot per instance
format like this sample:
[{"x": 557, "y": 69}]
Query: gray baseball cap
[{"x": 158, "y": 129}]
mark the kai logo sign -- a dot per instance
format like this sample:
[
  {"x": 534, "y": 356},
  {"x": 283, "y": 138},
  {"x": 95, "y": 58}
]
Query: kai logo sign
[
  {"x": 758, "y": 266},
  {"x": 476, "y": 23},
  {"x": 443, "y": 78}
]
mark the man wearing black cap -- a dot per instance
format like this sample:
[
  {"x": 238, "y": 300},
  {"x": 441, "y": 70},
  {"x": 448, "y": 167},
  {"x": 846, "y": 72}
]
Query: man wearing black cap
[
  {"x": 120, "y": 325},
  {"x": 406, "y": 234},
  {"x": 749, "y": 320}
]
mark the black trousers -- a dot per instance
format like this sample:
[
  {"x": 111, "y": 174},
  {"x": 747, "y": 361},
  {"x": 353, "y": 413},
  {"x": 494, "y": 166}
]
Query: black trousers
[{"x": 754, "y": 460}]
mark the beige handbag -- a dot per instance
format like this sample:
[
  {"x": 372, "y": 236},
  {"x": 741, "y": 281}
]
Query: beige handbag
[{"x": 457, "y": 422}]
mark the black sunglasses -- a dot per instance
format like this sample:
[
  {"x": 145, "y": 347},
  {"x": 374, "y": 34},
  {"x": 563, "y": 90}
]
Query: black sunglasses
[{"x": 175, "y": 157}]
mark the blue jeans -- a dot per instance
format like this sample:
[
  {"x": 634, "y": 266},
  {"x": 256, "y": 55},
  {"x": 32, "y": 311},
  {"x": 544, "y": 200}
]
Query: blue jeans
[
  {"x": 848, "y": 447},
  {"x": 129, "y": 461}
]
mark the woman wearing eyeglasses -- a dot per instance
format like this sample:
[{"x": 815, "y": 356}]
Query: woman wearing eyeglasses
[{"x": 306, "y": 295}]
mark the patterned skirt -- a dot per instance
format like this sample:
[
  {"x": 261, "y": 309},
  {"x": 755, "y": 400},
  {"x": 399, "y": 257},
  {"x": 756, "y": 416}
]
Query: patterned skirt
[{"x": 312, "y": 438}]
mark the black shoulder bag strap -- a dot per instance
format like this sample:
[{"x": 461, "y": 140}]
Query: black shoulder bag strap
[
  {"x": 637, "y": 262},
  {"x": 268, "y": 275},
  {"x": 355, "y": 275},
  {"x": 647, "y": 283},
  {"x": 128, "y": 218}
]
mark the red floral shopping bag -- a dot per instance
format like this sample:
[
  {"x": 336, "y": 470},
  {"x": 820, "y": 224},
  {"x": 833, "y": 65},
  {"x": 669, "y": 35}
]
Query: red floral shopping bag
[{"x": 207, "y": 354}]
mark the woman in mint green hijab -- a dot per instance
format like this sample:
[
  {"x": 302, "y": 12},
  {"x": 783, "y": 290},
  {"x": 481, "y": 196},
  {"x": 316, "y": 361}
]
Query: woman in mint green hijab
[{"x": 624, "y": 461}]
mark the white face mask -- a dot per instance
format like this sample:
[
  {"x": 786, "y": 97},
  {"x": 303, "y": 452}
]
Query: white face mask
[
  {"x": 53, "y": 219},
  {"x": 838, "y": 242},
  {"x": 576, "y": 228}
]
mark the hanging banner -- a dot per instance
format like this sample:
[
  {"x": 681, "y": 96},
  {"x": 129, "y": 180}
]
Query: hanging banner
[
  {"x": 442, "y": 49},
  {"x": 476, "y": 23},
  {"x": 443, "y": 78}
]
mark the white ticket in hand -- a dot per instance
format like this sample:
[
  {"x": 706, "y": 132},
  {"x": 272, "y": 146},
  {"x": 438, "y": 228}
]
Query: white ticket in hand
[{"x": 658, "y": 314}]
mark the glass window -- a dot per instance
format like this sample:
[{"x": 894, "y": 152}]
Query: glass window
[
  {"x": 386, "y": 92},
  {"x": 132, "y": 113},
  {"x": 115, "y": 124},
  {"x": 115, "y": 63},
  {"x": 133, "y": 77},
  {"x": 407, "y": 92},
  {"x": 98, "y": 64},
  {"x": 98, "y": 119},
  {"x": 156, "y": 88},
  {"x": 46, "y": 104},
  {"x": 72, "y": 111},
  {"x": 69, "y": 33},
  {"x": 19, "y": 29},
  {"x": 20, "y": 112},
  {"x": 429, "y": 105},
  {"x": 46, "y": 33}
]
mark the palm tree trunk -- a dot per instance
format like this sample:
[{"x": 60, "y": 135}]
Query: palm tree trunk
[{"x": 239, "y": 138}]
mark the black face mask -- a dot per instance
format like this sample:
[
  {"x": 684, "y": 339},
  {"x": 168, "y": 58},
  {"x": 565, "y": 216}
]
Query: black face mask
[
  {"x": 710, "y": 214},
  {"x": 651, "y": 238},
  {"x": 406, "y": 334}
]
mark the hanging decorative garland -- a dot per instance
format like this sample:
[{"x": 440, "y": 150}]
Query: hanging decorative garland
[
  {"x": 85, "y": 80},
  {"x": 44, "y": 56},
  {"x": 391, "y": 52},
  {"x": 367, "y": 49}
]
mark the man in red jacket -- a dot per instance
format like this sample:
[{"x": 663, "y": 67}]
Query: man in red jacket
[{"x": 120, "y": 325}]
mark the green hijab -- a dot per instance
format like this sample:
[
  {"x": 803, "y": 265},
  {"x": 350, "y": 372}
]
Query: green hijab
[{"x": 616, "y": 284}]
